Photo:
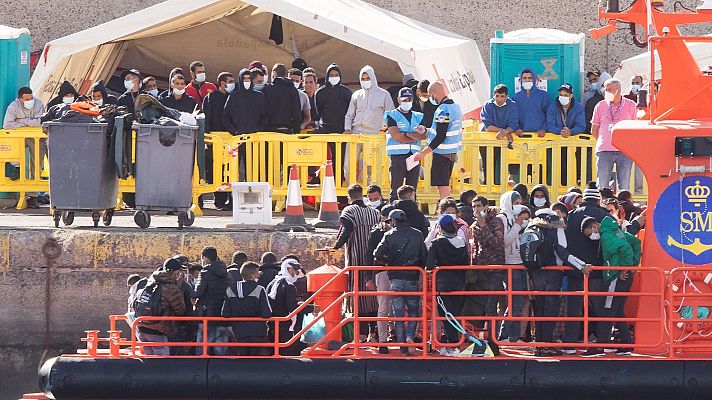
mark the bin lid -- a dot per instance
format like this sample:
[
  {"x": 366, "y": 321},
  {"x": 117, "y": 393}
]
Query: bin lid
[
  {"x": 540, "y": 35},
  {"x": 8, "y": 32},
  {"x": 325, "y": 270}
]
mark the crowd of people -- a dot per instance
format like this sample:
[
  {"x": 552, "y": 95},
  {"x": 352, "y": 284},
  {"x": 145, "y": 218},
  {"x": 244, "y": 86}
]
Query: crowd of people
[{"x": 530, "y": 231}]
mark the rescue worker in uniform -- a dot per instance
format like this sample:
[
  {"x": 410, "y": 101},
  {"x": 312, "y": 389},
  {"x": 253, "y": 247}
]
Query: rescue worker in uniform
[
  {"x": 444, "y": 139},
  {"x": 403, "y": 137}
]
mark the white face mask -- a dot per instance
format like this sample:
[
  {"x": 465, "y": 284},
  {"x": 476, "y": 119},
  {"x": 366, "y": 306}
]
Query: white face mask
[
  {"x": 246, "y": 85},
  {"x": 423, "y": 98},
  {"x": 129, "y": 85},
  {"x": 527, "y": 85},
  {"x": 365, "y": 85},
  {"x": 99, "y": 102},
  {"x": 564, "y": 100},
  {"x": 433, "y": 101},
  {"x": 406, "y": 106},
  {"x": 334, "y": 80},
  {"x": 29, "y": 104},
  {"x": 634, "y": 89},
  {"x": 178, "y": 91},
  {"x": 200, "y": 78},
  {"x": 372, "y": 204},
  {"x": 483, "y": 214},
  {"x": 539, "y": 202},
  {"x": 152, "y": 92},
  {"x": 68, "y": 100},
  {"x": 525, "y": 223},
  {"x": 296, "y": 85},
  {"x": 609, "y": 97},
  {"x": 230, "y": 87},
  {"x": 595, "y": 236}
]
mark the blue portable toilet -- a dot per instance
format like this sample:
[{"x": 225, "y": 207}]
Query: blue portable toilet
[
  {"x": 14, "y": 64},
  {"x": 557, "y": 57}
]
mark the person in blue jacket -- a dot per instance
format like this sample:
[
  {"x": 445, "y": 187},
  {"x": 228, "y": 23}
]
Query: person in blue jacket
[
  {"x": 566, "y": 116},
  {"x": 532, "y": 103},
  {"x": 500, "y": 114}
]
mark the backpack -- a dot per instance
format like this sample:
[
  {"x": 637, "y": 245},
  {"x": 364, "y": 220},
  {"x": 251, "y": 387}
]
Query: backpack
[
  {"x": 148, "y": 301},
  {"x": 534, "y": 249}
]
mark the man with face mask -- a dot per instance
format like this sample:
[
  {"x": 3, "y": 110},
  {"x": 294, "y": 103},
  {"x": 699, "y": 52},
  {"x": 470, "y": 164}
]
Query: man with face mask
[
  {"x": 67, "y": 95},
  {"x": 100, "y": 96},
  {"x": 404, "y": 133},
  {"x": 532, "y": 103},
  {"x": 246, "y": 109},
  {"x": 214, "y": 103},
  {"x": 283, "y": 102},
  {"x": 613, "y": 109},
  {"x": 26, "y": 110},
  {"x": 332, "y": 101},
  {"x": 178, "y": 100},
  {"x": 596, "y": 96},
  {"x": 500, "y": 114},
  {"x": 150, "y": 86},
  {"x": 592, "y": 84},
  {"x": 566, "y": 116},
  {"x": 296, "y": 77},
  {"x": 636, "y": 83},
  {"x": 421, "y": 102},
  {"x": 374, "y": 197},
  {"x": 198, "y": 88},
  {"x": 132, "y": 83},
  {"x": 539, "y": 199}
]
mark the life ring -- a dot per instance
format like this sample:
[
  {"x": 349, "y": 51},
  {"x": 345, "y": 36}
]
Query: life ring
[
  {"x": 86, "y": 108},
  {"x": 696, "y": 282}
]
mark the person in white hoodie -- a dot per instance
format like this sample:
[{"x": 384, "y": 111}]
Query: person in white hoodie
[
  {"x": 365, "y": 113},
  {"x": 515, "y": 217}
]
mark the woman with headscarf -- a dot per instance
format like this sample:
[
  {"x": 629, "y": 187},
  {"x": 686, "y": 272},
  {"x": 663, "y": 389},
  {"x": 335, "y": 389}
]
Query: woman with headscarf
[{"x": 282, "y": 296}]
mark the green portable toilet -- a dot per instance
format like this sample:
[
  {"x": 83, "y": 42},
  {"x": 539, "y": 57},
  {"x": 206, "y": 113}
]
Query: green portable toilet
[
  {"x": 14, "y": 64},
  {"x": 557, "y": 57}
]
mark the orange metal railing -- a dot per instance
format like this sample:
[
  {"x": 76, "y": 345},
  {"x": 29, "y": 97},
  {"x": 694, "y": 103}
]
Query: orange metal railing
[{"x": 661, "y": 316}]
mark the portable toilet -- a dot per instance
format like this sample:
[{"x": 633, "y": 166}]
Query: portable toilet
[
  {"x": 557, "y": 57},
  {"x": 14, "y": 64}
]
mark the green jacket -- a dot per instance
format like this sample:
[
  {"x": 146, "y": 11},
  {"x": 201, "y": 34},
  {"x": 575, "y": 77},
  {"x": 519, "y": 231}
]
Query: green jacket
[{"x": 619, "y": 247}]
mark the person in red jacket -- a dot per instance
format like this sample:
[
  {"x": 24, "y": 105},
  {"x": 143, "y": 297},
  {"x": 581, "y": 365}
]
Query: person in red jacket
[{"x": 198, "y": 87}]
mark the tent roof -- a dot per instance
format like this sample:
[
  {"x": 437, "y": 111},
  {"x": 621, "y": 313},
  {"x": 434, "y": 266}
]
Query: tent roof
[{"x": 423, "y": 50}]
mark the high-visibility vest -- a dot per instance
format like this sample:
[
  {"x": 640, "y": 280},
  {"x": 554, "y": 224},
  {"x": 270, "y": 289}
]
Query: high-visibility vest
[
  {"x": 394, "y": 147},
  {"x": 451, "y": 114}
]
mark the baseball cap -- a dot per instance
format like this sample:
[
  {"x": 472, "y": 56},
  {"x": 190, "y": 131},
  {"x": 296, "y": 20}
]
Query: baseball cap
[
  {"x": 397, "y": 215},
  {"x": 257, "y": 64},
  {"x": 405, "y": 93},
  {"x": 182, "y": 259},
  {"x": 130, "y": 71},
  {"x": 567, "y": 87},
  {"x": 172, "y": 264},
  {"x": 446, "y": 219}
]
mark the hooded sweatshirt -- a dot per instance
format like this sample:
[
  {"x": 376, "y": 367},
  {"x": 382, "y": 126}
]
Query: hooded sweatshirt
[
  {"x": 247, "y": 299},
  {"x": 532, "y": 107},
  {"x": 210, "y": 288},
  {"x": 108, "y": 98},
  {"x": 17, "y": 116},
  {"x": 168, "y": 92},
  {"x": 574, "y": 118},
  {"x": 283, "y": 106},
  {"x": 185, "y": 104},
  {"x": 596, "y": 96},
  {"x": 510, "y": 228},
  {"x": 64, "y": 89},
  {"x": 413, "y": 216},
  {"x": 619, "y": 247},
  {"x": 541, "y": 188},
  {"x": 332, "y": 102},
  {"x": 367, "y": 106},
  {"x": 552, "y": 229},
  {"x": 245, "y": 109},
  {"x": 578, "y": 244},
  {"x": 505, "y": 117},
  {"x": 213, "y": 106},
  {"x": 448, "y": 249},
  {"x": 172, "y": 303}
]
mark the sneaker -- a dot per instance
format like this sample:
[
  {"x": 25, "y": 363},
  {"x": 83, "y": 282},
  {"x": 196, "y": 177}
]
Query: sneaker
[
  {"x": 411, "y": 350},
  {"x": 590, "y": 353},
  {"x": 449, "y": 352},
  {"x": 546, "y": 352},
  {"x": 608, "y": 351},
  {"x": 384, "y": 350},
  {"x": 621, "y": 351},
  {"x": 569, "y": 351}
]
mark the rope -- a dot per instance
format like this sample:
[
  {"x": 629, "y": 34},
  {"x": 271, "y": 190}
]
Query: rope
[{"x": 455, "y": 324}]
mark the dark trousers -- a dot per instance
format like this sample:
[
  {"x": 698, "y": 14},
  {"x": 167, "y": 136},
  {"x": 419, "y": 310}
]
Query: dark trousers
[
  {"x": 496, "y": 304},
  {"x": 252, "y": 351},
  {"x": 453, "y": 304},
  {"x": 574, "y": 307},
  {"x": 546, "y": 306},
  {"x": 399, "y": 173},
  {"x": 612, "y": 307},
  {"x": 476, "y": 281}
]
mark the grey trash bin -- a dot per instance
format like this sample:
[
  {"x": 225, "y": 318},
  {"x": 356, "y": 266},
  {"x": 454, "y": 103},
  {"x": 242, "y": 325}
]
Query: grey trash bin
[
  {"x": 82, "y": 171},
  {"x": 165, "y": 159}
]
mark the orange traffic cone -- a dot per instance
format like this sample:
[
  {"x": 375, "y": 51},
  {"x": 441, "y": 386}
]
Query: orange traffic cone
[
  {"x": 294, "y": 220},
  {"x": 329, "y": 208}
]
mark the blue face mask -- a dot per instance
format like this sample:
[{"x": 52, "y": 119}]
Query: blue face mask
[
  {"x": 433, "y": 102},
  {"x": 258, "y": 86}
]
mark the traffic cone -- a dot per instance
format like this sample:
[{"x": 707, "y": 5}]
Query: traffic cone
[
  {"x": 294, "y": 220},
  {"x": 329, "y": 208}
]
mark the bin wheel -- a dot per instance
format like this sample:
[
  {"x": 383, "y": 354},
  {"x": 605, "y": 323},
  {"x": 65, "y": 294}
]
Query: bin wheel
[
  {"x": 67, "y": 218},
  {"x": 107, "y": 216},
  {"x": 142, "y": 219},
  {"x": 96, "y": 217},
  {"x": 190, "y": 218},
  {"x": 182, "y": 218},
  {"x": 57, "y": 216}
]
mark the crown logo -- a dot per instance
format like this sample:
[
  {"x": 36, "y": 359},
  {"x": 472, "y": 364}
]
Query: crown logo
[{"x": 697, "y": 194}]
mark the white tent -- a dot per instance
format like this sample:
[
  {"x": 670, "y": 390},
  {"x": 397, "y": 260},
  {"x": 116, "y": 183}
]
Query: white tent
[
  {"x": 228, "y": 34},
  {"x": 640, "y": 64}
]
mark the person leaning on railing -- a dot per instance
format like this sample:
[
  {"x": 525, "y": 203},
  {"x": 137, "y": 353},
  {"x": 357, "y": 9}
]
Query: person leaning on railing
[{"x": 566, "y": 116}]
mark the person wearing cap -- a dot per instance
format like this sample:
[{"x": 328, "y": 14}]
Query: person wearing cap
[
  {"x": 172, "y": 305},
  {"x": 407, "y": 81},
  {"x": 500, "y": 114},
  {"x": 613, "y": 109},
  {"x": 566, "y": 116},
  {"x": 198, "y": 88},
  {"x": 356, "y": 222},
  {"x": 532, "y": 103},
  {"x": 444, "y": 139},
  {"x": 132, "y": 83},
  {"x": 210, "y": 295},
  {"x": 551, "y": 227},
  {"x": 405, "y": 131},
  {"x": 449, "y": 248},
  {"x": 592, "y": 85},
  {"x": 383, "y": 284},
  {"x": 403, "y": 246},
  {"x": 179, "y": 100}
]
